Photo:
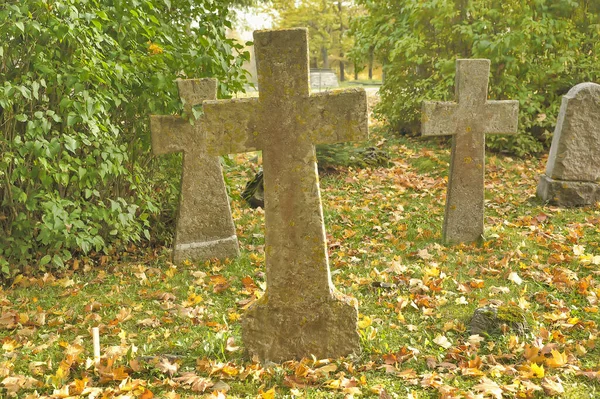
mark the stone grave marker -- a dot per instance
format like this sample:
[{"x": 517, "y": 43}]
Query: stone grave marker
[
  {"x": 301, "y": 314},
  {"x": 204, "y": 228},
  {"x": 572, "y": 175},
  {"x": 468, "y": 120}
]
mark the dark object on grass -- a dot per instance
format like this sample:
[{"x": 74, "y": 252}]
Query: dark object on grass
[
  {"x": 382, "y": 284},
  {"x": 254, "y": 192},
  {"x": 329, "y": 157},
  {"x": 490, "y": 320}
]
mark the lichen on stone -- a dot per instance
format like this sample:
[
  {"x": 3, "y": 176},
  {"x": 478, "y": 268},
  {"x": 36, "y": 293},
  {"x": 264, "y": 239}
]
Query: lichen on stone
[{"x": 491, "y": 320}]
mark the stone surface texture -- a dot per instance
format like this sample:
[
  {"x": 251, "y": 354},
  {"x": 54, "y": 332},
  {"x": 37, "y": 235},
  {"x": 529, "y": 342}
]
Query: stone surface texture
[
  {"x": 301, "y": 313},
  {"x": 489, "y": 320},
  {"x": 573, "y": 170},
  {"x": 205, "y": 227},
  {"x": 468, "y": 120}
]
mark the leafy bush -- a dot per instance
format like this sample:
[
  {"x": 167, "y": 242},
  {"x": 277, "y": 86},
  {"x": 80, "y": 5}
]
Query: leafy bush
[
  {"x": 538, "y": 49},
  {"x": 78, "y": 81}
]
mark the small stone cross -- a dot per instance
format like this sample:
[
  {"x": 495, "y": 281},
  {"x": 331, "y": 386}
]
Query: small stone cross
[
  {"x": 468, "y": 120},
  {"x": 301, "y": 313},
  {"x": 204, "y": 228}
]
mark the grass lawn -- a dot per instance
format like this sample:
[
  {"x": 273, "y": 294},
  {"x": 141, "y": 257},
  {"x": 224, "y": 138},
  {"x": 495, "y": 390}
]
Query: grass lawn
[{"x": 173, "y": 331}]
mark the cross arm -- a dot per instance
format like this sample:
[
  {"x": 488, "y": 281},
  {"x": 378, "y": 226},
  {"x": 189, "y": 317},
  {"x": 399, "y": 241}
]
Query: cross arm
[
  {"x": 170, "y": 134},
  {"x": 438, "y": 118},
  {"x": 502, "y": 117},
  {"x": 338, "y": 116},
  {"x": 231, "y": 126}
]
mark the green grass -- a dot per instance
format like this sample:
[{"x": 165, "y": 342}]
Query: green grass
[{"x": 383, "y": 225}]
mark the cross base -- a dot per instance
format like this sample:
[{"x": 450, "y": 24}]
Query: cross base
[
  {"x": 568, "y": 193},
  {"x": 201, "y": 251},
  {"x": 293, "y": 331}
]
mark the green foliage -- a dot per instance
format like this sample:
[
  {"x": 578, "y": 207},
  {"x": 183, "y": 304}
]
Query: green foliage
[
  {"x": 539, "y": 49},
  {"x": 78, "y": 80},
  {"x": 327, "y": 22}
]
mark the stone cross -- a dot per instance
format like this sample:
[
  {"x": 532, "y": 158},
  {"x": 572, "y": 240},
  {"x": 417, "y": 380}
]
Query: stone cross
[
  {"x": 301, "y": 314},
  {"x": 573, "y": 170},
  {"x": 468, "y": 120},
  {"x": 204, "y": 228}
]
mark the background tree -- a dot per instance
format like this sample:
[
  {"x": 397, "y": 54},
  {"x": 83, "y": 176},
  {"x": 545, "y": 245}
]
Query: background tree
[
  {"x": 539, "y": 49},
  {"x": 328, "y": 24},
  {"x": 79, "y": 80}
]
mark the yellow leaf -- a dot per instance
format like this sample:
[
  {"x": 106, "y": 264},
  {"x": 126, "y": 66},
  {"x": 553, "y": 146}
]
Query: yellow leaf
[
  {"x": 270, "y": 394},
  {"x": 538, "y": 371},
  {"x": 365, "y": 322},
  {"x": 557, "y": 360}
]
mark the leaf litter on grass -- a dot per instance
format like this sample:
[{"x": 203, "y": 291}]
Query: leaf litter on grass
[{"x": 173, "y": 331}]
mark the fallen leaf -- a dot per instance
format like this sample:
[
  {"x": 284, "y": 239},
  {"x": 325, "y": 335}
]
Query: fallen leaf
[
  {"x": 442, "y": 341},
  {"x": 514, "y": 277},
  {"x": 196, "y": 383},
  {"x": 489, "y": 387},
  {"x": 552, "y": 386}
]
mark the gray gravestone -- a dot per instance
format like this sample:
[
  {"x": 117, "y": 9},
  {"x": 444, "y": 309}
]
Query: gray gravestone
[
  {"x": 301, "y": 313},
  {"x": 468, "y": 121},
  {"x": 573, "y": 170},
  {"x": 204, "y": 228}
]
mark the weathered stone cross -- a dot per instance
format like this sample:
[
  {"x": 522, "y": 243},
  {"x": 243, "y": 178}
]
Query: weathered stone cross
[
  {"x": 301, "y": 313},
  {"x": 468, "y": 121},
  {"x": 205, "y": 228}
]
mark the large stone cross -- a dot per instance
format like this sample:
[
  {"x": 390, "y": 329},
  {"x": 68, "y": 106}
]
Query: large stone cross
[
  {"x": 468, "y": 120},
  {"x": 204, "y": 228},
  {"x": 301, "y": 314}
]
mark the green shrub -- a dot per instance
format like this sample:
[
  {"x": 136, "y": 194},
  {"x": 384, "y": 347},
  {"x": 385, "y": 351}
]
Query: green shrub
[
  {"x": 78, "y": 80},
  {"x": 538, "y": 49}
]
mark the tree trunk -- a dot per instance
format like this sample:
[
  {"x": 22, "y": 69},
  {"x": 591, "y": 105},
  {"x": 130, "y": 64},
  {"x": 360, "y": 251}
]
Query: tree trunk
[
  {"x": 325, "y": 57},
  {"x": 355, "y": 71},
  {"x": 461, "y": 7},
  {"x": 342, "y": 68},
  {"x": 371, "y": 60},
  {"x": 314, "y": 63}
]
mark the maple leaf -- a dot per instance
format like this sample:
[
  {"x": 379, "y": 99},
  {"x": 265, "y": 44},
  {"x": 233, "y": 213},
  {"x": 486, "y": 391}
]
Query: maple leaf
[
  {"x": 557, "y": 360},
  {"x": 167, "y": 367},
  {"x": 231, "y": 346},
  {"x": 364, "y": 322},
  {"x": 514, "y": 277},
  {"x": 15, "y": 383},
  {"x": 489, "y": 387},
  {"x": 269, "y": 394},
  {"x": 442, "y": 341},
  {"x": 196, "y": 383},
  {"x": 594, "y": 375},
  {"x": 123, "y": 315},
  {"x": 538, "y": 371},
  {"x": 552, "y": 386}
]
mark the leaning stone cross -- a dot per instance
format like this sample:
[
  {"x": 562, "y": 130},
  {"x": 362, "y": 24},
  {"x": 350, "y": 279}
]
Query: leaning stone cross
[
  {"x": 204, "y": 228},
  {"x": 301, "y": 313},
  {"x": 468, "y": 120}
]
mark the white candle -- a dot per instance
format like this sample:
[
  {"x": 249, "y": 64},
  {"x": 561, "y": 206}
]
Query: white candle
[{"x": 96, "y": 340}]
